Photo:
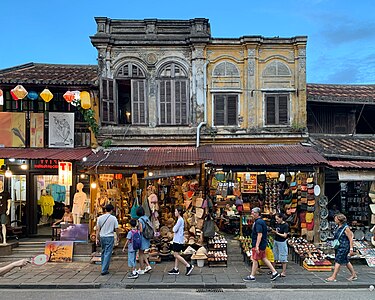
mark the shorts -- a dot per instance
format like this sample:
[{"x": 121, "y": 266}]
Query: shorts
[
  {"x": 3, "y": 219},
  {"x": 177, "y": 247},
  {"x": 280, "y": 251},
  {"x": 132, "y": 259},
  {"x": 258, "y": 256}
]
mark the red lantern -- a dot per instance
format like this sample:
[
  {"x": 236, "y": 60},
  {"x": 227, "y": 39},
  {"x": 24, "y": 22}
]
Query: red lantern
[{"x": 69, "y": 96}]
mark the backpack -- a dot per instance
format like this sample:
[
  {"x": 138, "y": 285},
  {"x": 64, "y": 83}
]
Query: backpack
[
  {"x": 148, "y": 230},
  {"x": 136, "y": 240}
]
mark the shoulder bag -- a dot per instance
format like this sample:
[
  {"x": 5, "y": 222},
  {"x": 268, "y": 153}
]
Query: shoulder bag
[{"x": 336, "y": 242}]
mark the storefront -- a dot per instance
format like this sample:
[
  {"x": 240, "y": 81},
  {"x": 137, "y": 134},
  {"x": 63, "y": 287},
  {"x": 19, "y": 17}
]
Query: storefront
[{"x": 30, "y": 174}]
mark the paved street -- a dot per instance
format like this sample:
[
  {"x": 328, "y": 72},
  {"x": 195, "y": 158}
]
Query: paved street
[{"x": 191, "y": 294}]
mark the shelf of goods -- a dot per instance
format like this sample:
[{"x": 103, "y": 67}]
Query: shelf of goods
[
  {"x": 367, "y": 251},
  {"x": 217, "y": 251},
  {"x": 308, "y": 255}
]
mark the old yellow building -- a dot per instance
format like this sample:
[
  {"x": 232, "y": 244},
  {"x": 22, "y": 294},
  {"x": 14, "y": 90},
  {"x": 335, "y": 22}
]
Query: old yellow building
[{"x": 256, "y": 89}]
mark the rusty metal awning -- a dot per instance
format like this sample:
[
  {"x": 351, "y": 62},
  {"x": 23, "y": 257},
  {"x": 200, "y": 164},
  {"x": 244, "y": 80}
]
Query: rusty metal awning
[
  {"x": 352, "y": 164},
  {"x": 261, "y": 155},
  {"x": 230, "y": 155},
  {"x": 45, "y": 153}
]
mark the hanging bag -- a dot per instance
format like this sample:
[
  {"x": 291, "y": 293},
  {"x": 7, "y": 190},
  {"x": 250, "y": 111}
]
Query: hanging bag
[
  {"x": 209, "y": 228},
  {"x": 133, "y": 211},
  {"x": 336, "y": 242}
]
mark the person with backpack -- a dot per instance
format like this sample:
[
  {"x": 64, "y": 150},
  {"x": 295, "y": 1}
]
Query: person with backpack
[
  {"x": 134, "y": 243},
  {"x": 144, "y": 228},
  {"x": 178, "y": 244}
]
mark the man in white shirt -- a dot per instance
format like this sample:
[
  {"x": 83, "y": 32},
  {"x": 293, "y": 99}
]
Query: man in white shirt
[{"x": 105, "y": 227}]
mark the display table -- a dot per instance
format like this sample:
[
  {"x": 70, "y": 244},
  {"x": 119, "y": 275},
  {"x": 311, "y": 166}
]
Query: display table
[{"x": 55, "y": 232}]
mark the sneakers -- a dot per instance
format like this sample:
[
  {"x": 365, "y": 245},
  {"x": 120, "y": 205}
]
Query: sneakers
[
  {"x": 274, "y": 276},
  {"x": 249, "y": 278},
  {"x": 104, "y": 273},
  {"x": 133, "y": 275},
  {"x": 189, "y": 270},
  {"x": 140, "y": 271},
  {"x": 174, "y": 272},
  {"x": 147, "y": 269}
]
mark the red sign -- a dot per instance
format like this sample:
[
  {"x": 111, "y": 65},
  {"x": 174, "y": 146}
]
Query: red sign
[{"x": 46, "y": 164}]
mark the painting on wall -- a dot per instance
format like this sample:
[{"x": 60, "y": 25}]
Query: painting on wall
[
  {"x": 61, "y": 130},
  {"x": 36, "y": 130},
  {"x": 59, "y": 251},
  {"x": 75, "y": 232},
  {"x": 12, "y": 129}
]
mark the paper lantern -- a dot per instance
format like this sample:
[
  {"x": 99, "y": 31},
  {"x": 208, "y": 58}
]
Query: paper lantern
[
  {"x": 46, "y": 95},
  {"x": 32, "y": 95},
  {"x": 13, "y": 95},
  {"x": 85, "y": 100},
  {"x": 69, "y": 96},
  {"x": 19, "y": 92},
  {"x": 77, "y": 97}
]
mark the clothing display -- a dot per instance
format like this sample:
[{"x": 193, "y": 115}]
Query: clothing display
[
  {"x": 58, "y": 192},
  {"x": 46, "y": 203}
]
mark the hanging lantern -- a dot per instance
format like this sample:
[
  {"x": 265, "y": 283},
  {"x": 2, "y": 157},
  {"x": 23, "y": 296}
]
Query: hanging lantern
[
  {"x": 46, "y": 95},
  {"x": 77, "y": 98},
  {"x": 69, "y": 96},
  {"x": 19, "y": 92},
  {"x": 32, "y": 95},
  {"x": 85, "y": 100}
]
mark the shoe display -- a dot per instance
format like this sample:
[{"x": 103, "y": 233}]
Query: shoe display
[
  {"x": 174, "y": 272},
  {"x": 274, "y": 276},
  {"x": 249, "y": 278},
  {"x": 189, "y": 270},
  {"x": 147, "y": 269}
]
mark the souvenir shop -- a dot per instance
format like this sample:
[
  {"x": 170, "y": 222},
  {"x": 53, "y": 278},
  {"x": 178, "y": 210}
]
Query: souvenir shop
[{"x": 159, "y": 192}]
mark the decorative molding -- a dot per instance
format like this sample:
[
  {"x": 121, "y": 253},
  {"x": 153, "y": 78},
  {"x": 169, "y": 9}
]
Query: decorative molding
[
  {"x": 151, "y": 58},
  {"x": 251, "y": 52},
  {"x": 250, "y": 67}
]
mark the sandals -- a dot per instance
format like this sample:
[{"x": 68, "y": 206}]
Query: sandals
[
  {"x": 330, "y": 280},
  {"x": 352, "y": 278}
]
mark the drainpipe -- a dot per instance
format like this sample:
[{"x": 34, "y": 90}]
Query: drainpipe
[{"x": 204, "y": 103}]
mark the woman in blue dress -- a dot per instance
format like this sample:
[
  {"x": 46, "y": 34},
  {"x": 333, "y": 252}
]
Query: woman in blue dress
[{"x": 345, "y": 237}]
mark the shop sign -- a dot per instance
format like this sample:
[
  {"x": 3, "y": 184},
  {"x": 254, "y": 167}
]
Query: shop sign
[
  {"x": 250, "y": 183},
  {"x": 65, "y": 173},
  {"x": 45, "y": 164}
]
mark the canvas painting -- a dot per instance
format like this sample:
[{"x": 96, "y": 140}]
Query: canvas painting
[
  {"x": 12, "y": 129},
  {"x": 36, "y": 130},
  {"x": 59, "y": 251},
  {"x": 74, "y": 232},
  {"x": 61, "y": 130}
]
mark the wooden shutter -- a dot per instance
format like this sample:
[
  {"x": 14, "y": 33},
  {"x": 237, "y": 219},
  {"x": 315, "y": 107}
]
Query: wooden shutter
[
  {"x": 219, "y": 116},
  {"x": 283, "y": 110},
  {"x": 270, "y": 110},
  {"x": 139, "y": 104},
  {"x": 108, "y": 105},
  {"x": 231, "y": 110},
  {"x": 181, "y": 102},
  {"x": 165, "y": 102}
]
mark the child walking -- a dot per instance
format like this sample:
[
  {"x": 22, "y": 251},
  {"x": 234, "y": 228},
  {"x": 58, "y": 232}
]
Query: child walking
[{"x": 131, "y": 243}]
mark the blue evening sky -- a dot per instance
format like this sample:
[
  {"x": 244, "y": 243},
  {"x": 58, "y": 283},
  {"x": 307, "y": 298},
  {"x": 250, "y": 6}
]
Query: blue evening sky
[{"x": 341, "y": 33}]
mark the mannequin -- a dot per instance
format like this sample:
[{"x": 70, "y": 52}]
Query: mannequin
[
  {"x": 78, "y": 204},
  {"x": 46, "y": 203},
  {"x": 4, "y": 210}
]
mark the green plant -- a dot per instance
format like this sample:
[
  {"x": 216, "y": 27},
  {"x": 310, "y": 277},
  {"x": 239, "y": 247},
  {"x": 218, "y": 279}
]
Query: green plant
[
  {"x": 107, "y": 143},
  {"x": 89, "y": 117}
]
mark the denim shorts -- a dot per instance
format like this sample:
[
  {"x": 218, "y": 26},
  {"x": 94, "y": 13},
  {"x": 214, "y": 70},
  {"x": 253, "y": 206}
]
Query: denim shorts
[
  {"x": 280, "y": 251},
  {"x": 132, "y": 261}
]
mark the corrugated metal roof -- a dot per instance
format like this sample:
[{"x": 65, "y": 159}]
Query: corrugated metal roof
[
  {"x": 352, "y": 164},
  {"x": 341, "y": 93},
  {"x": 45, "y": 153},
  {"x": 217, "y": 155},
  {"x": 144, "y": 156},
  {"x": 258, "y": 155}
]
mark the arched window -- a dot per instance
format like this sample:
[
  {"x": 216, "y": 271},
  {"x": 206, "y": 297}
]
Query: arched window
[
  {"x": 130, "y": 97},
  {"x": 173, "y": 95},
  {"x": 226, "y": 69},
  {"x": 276, "y": 68}
]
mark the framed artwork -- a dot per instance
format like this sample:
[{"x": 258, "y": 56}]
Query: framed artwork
[
  {"x": 59, "y": 251},
  {"x": 12, "y": 129},
  {"x": 36, "y": 130},
  {"x": 75, "y": 232},
  {"x": 61, "y": 130}
]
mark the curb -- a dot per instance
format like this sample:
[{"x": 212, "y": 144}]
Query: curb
[
  {"x": 160, "y": 285},
  {"x": 51, "y": 286},
  {"x": 322, "y": 286}
]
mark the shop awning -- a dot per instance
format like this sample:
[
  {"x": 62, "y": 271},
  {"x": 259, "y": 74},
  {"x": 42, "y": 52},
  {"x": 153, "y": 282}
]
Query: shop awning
[
  {"x": 144, "y": 156},
  {"x": 231, "y": 155},
  {"x": 261, "y": 155},
  {"x": 45, "y": 153},
  {"x": 356, "y": 175}
]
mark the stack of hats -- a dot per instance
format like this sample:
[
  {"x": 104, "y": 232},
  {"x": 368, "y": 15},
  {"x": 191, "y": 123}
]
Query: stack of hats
[{"x": 200, "y": 256}]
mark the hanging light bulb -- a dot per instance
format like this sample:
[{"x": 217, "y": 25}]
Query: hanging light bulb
[
  {"x": 93, "y": 185},
  {"x": 24, "y": 165},
  {"x": 8, "y": 173}
]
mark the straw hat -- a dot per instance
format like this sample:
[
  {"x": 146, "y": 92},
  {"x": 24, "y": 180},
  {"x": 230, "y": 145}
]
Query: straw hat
[
  {"x": 200, "y": 254},
  {"x": 189, "y": 250},
  {"x": 164, "y": 231},
  {"x": 170, "y": 222}
]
